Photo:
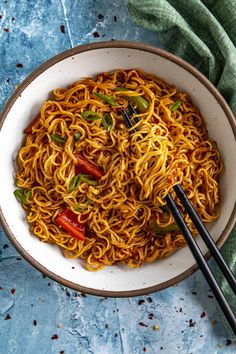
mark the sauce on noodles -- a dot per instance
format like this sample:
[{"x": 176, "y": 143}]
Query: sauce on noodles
[{"x": 80, "y": 166}]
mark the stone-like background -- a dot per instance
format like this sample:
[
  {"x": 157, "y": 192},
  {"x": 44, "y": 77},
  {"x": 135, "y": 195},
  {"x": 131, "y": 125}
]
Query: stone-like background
[{"x": 40, "y": 316}]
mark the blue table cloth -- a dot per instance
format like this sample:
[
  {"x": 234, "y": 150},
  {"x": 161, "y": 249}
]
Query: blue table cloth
[{"x": 37, "y": 315}]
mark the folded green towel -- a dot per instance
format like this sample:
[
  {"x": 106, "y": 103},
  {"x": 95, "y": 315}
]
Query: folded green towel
[{"x": 204, "y": 34}]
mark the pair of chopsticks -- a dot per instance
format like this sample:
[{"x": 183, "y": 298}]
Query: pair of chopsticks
[{"x": 191, "y": 240}]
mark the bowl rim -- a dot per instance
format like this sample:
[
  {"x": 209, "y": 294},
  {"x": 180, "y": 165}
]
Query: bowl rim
[{"x": 106, "y": 45}]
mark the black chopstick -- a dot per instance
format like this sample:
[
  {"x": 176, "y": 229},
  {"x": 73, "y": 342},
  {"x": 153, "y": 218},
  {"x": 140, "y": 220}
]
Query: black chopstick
[
  {"x": 206, "y": 236},
  {"x": 193, "y": 244}
]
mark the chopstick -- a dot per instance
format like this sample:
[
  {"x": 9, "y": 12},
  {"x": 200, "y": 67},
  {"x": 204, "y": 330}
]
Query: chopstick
[{"x": 194, "y": 248}]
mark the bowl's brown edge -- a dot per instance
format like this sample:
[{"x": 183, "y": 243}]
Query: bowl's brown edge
[{"x": 132, "y": 45}]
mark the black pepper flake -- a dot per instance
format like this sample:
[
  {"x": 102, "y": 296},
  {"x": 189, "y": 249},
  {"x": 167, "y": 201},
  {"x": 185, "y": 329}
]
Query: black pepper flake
[
  {"x": 181, "y": 298},
  {"x": 142, "y": 324},
  {"x": 144, "y": 349},
  {"x": 116, "y": 335},
  {"x": 34, "y": 322},
  {"x": 203, "y": 314},
  {"x": 62, "y": 352},
  {"x": 49, "y": 284},
  {"x": 5, "y": 29},
  {"x": 0, "y": 17},
  {"x": 149, "y": 299},
  {"x": 67, "y": 293},
  {"x": 228, "y": 342},
  {"x": 201, "y": 335},
  {"x": 62, "y": 28},
  {"x": 83, "y": 295},
  {"x": 96, "y": 34},
  {"x": 18, "y": 259},
  {"x": 13, "y": 18},
  {"x": 180, "y": 310},
  {"x": 191, "y": 323},
  {"x": 12, "y": 291},
  {"x": 194, "y": 292},
  {"x": 115, "y": 18},
  {"x": 100, "y": 17},
  {"x": 150, "y": 316},
  {"x": 72, "y": 267},
  {"x": 44, "y": 276},
  {"x": 19, "y": 65},
  {"x": 140, "y": 302},
  {"x": 182, "y": 331},
  {"x": 8, "y": 317},
  {"x": 5, "y": 246},
  {"x": 1, "y": 288},
  {"x": 106, "y": 326},
  {"x": 55, "y": 336},
  {"x": 161, "y": 348},
  {"x": 210, "y": 296},
  {"x": 103, "y": 35}
]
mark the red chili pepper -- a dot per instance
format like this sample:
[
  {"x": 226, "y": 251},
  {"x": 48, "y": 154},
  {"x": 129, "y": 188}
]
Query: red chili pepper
[
  {"x": 68, "y": 221},
  {"x": 28, "y": 130},
  {"x": 85, "y": 166}
]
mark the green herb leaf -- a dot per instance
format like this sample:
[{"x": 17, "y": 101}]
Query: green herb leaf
[
  {"x": 22, "y": 195},
  {"x": 58, "y": 138},
  {"x": 88, "y": 179},
  {"x": 106, "y": 99},
  {"x": 107, "y": 122},
  {"x": 90, "y": 115},
  {"x": 138, "y": 101},
  {"x": 74, "y": 182},
  {"x": 77, "y": 136},
  {"x": 175, "y": 105}
]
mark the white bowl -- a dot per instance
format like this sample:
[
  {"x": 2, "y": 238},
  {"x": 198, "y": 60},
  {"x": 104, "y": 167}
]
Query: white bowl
[{"x": 90, "y": 60}]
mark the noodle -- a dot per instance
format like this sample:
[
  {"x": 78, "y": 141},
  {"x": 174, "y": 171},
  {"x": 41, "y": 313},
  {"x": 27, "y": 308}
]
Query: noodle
[{"x": 170, "y": 146}]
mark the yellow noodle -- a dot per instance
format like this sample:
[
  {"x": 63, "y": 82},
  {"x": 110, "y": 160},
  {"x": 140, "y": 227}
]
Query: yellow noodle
[{"x": 169, "y": 147}]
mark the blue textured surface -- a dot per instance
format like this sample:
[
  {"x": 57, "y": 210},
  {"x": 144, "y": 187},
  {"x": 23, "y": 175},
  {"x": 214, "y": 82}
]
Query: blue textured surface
[{"x": 33, "y": 309}]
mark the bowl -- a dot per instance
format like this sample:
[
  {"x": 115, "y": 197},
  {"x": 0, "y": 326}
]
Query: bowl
[{"x": 64, "y": 69}]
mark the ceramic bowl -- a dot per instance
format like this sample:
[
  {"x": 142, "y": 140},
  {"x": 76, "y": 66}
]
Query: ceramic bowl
[{"x": 64, "y": 69}]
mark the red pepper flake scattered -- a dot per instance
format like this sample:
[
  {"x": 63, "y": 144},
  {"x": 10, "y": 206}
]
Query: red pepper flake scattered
[
  {"x": 100, "y": 17},
  {"x": 149, "y": 299},
  {"x": 191, "y": 323},
  {"x": 150, "y": 316},
  {"x": 13, "y": 18},
  {"x": 5, "y": 246},
  {"x": 8, "y": 317},
  {"x": 210, "y": 296},
  {"x": 62, "y": 28},
  {"x": 194, "y": 292},
  {"x": 55, "y": 336},
  {"x": 228, "y": 342},
  {"x": 115, "y": 18},
  {"x": 96, "y": 34},
  {"x": 12, "y": 291},
  {"x": 5, "y": 29},
  {"x": 106, "y": 326},
  {"x": 144, "y": 349},
  {"x": 203, "y": 314},
  {"x": 34, "y": 323},
  {"x": 140, "y": 302},
  {"x": 19, "y": 65},
  {"x": 142, "y": 324}
]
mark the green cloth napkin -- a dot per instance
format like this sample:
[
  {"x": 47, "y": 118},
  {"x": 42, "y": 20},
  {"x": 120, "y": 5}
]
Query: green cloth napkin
[{"x": 204, "y": 34}]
